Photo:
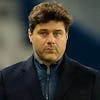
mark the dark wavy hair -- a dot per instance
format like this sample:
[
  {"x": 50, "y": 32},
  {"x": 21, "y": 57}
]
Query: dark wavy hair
[{"x": 47, "y": 11}]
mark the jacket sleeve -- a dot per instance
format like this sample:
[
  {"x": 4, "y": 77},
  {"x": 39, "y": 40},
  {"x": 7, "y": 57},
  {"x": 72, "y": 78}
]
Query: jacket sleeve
[
  {"x": 2, "y": 93},
  {"x": 96, "y": 92}
]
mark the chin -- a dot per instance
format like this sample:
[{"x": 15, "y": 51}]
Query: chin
[{"x": 50, "y": 59}]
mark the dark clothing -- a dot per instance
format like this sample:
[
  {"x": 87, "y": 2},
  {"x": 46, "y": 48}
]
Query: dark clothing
[
  {"x": 48, "y": 81},
  {"x": 75, "y": 82}
]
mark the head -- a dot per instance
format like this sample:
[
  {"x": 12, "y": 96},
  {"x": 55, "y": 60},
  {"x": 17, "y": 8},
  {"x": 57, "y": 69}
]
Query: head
[{"x": 48, "y": 31}]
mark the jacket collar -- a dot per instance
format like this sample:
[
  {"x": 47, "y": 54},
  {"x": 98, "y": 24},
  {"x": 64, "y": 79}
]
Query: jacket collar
[
  {"x": 66, "y": 74},
  {"x": 32, "y": 81}
]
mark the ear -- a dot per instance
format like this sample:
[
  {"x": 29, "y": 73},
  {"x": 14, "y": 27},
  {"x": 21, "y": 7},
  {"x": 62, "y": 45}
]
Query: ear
[
  {"x": 30, "y": 35},
  {"x": 67, "y": 35}
]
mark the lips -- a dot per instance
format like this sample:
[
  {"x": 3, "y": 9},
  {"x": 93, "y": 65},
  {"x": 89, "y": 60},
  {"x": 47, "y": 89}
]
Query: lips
[{"x": 50, "y": 49}]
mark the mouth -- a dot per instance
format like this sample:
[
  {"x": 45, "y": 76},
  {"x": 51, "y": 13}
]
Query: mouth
[{"x": 50, "y": 50}]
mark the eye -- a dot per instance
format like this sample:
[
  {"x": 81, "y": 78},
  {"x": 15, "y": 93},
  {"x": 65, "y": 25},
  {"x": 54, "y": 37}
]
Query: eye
[
  {"x": 57, "y": 33},
  {"x": 43, "y": 33}
]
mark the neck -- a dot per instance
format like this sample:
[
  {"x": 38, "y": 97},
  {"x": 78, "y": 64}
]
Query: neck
[{"x": 46, "y": 63}]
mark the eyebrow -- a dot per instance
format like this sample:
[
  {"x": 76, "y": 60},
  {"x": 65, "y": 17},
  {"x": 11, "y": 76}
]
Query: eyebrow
[
  {"x": 58, "y": 30},
  {"x": 43, "y": 30},
  {"x": 48, "y": 30}
]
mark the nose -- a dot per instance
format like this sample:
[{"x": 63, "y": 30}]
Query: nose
[{"x": 51, "y": 39}]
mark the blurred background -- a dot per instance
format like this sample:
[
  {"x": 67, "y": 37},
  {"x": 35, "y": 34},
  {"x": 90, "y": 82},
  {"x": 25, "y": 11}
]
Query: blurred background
[{"x": 84, "y": 33}]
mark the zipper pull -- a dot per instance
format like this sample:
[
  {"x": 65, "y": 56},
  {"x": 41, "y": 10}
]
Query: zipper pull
[{"x": 48, "y": 70}]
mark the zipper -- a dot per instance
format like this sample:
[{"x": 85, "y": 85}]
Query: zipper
[{"x": 47, "y": 83}]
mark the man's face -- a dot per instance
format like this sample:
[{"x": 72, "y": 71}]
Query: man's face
[{"x": 49, "y": 41}]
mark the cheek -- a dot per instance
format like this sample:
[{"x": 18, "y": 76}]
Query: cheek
[
  {"x": 37, "y": 43},
  {"x": 34, "y": 40},
  {"x": 62, "y": 43}
]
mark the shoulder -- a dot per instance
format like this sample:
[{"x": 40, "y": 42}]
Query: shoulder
[
  {"x": 16, "y": 73},
  {"x": 22, "y": 65},
  {"x": 86, "y": 77},
  {"x": 17, "y": 69},
  {"x": 10, "y": 73},
  {"x": 81, "y": 69},
  {"x": 12, "y": 70}
]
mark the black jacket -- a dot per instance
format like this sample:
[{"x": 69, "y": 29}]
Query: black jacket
[{"x": 76, "y": 82}]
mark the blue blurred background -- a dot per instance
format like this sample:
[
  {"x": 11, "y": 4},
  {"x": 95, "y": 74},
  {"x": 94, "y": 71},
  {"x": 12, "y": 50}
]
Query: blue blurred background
[{"x": 84, "y": 37}]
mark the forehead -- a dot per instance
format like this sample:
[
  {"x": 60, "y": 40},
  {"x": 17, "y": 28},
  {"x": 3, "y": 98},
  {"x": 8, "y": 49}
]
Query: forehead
[{"x": 51, "y": 25}]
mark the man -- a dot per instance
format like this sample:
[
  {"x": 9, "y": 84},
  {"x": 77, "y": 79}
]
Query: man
[{"x": 49, "y": 74}]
